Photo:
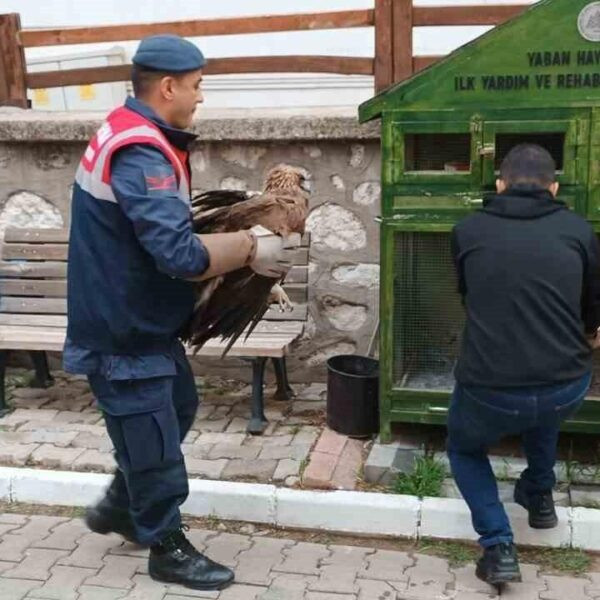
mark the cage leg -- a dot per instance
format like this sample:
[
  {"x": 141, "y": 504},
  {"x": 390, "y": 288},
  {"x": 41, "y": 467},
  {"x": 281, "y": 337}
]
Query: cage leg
[
  {"x": 3, "y": 406},
  {"x": 385, "y": 433},
  {"x": 43, "y": 378},
  {"x": 284, "y": 391},
  {"x": 258, "y": 422}
]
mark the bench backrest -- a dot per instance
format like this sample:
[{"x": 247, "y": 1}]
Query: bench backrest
[{"x": 33, "y": 285}]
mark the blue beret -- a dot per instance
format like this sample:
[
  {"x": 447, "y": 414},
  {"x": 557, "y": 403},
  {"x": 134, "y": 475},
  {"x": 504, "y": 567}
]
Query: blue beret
[{"x": 169, "y": 53}]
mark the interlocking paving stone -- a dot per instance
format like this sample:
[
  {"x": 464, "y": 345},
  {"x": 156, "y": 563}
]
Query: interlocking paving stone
[
  {"x": 16, "y": 589},
  {"x": 36, "y": 564},
  {"x": 64, "y": 536},
  {"x": 255, "y": 564},
  {"x": 386, "y": 565},
  {"x": 91, "y": 549},
  {"x": 117, "y": 571},
  {"x": 90, "y": 592},
  {"x": 226, "y": 547},
  {"x": 303, "y": 558},
  {"x": 54, "y": 558},
  {"x": 51, "y": 457},
  {"x": 339, "y": 571},
  {"x": 63, "y": 584},
  {"x": 561, "y": 588}
]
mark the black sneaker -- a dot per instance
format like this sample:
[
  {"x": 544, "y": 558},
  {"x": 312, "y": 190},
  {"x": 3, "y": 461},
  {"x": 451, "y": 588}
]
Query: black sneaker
[
  {"x": 104, "y": 518},
  {"x": 499, "y": 565},
  {"x": 542, "y": 514},
  {"x": 175, "y": 560}
]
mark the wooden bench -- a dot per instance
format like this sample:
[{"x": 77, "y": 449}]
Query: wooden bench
[{"x": 33, "y": 308}]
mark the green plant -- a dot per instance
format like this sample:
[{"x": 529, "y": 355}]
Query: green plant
[
  {"x": 303, "y": 464},
  {"x": 455, "y": 553},
  {"x": 19, "y": 380},
  {"x": 425, "y": 479},
  {"x": 212, "y": 521},
  {"x": 566, "y": 560}
]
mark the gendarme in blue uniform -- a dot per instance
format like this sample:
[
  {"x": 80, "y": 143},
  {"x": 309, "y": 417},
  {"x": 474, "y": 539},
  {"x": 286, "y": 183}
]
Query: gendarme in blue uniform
[{"x": 131, "y": 247}]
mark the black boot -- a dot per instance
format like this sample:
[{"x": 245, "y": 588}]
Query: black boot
[
  {"x": 175, "y": 560},
  {"x": 499, "y": 565},
  {"x": 542, "y": 514},
  {"x": 107, "y": 517}
]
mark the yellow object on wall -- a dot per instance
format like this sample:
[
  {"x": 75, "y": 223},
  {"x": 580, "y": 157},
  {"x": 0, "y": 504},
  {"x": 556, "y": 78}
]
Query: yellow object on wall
[
  {"x": 87, "y": 92},
  {"x": 41, "y": 97}
]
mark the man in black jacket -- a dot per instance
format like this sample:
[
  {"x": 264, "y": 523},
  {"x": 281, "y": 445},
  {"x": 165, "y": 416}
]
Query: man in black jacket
[{"x": 529, "y": 273}]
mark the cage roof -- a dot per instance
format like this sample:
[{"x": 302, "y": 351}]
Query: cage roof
[{"x": 549, "y": 56}]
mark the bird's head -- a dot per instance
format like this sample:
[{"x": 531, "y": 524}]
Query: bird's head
[{"x": 287, "y": 178}]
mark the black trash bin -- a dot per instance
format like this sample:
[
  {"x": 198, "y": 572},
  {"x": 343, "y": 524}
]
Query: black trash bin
[{"x": 353, "y": 395}]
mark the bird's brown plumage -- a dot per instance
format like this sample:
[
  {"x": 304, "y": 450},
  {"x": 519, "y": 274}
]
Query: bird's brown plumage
[{"x": 233, "y": 303}]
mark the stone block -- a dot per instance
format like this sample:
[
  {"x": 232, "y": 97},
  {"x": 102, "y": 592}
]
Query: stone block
[
  {"x": 357, "y": 512},
  {"x": 348, "y": 467},
  {"x": 558, "y": 537},
  {"x": 231, "y": 500},
  {"x": 320, "y": 470},
  {"x": 211, "y": 469},
  {"x": 586, "y": 496},
  {"x": 261, "y": 470},
  {"x": 96, "y": 461},
  {"x": 58, "y": 487},
  {"x": 286, "y": 468},
  {"x": 585, "y": 523},
  {"x": 446, "y": 518}
]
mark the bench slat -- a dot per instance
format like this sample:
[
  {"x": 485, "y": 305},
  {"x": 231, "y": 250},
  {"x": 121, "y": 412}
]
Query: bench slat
[
  {"x": 52, "y": 339},
  {"x": 49, "y": 306},
  {"x": 297, "y": 292},
  {"x": 297, "y": 275},
  {"x": 57, "y": 288},
  {"x": 300, "y": 313},
  {"x": 300, "y": 257},
  {"x": 35, "y": 251},
  {"x": 54, "y": 288},
  {"x": 33, "y": 269},
  {"x": 60, "y": 321},
  {"x": 33, "y": 320},
  {"x": 35, "y": 236}
]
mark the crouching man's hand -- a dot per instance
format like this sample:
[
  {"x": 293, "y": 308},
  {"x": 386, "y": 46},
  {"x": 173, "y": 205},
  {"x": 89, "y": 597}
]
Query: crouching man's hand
[{"x": 594, "y": 341}]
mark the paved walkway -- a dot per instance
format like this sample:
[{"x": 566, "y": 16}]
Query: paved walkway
[
  {"x": 57, "y": 558},
  {"x": 61, "y": 428}
]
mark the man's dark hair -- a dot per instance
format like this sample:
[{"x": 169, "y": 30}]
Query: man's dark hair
[
  {"x": 143, "y": 79},
  {"x": 528, "y": 165}
]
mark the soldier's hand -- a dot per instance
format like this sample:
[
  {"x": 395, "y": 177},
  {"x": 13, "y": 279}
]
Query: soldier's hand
[{"x": 274, "y": 254}]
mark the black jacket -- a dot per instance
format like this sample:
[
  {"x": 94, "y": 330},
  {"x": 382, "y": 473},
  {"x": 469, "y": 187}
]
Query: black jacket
[{"x": 529, "y": 273}]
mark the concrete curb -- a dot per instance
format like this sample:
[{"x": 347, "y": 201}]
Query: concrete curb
[{"x": 359, "y": 513}]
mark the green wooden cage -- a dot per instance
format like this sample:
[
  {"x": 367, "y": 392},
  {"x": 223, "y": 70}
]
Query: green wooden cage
[{"x": 444, "y": 134}]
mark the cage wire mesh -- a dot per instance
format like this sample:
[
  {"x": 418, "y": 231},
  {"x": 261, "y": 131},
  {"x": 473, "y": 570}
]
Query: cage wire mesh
[
  {"x": 553, "y": 142},
  {"x": 437, "y": 152},
  {"x": 428, "y": 314}
]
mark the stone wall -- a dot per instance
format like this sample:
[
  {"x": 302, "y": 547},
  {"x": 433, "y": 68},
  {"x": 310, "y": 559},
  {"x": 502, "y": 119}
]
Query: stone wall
[{"x": 39, "y": 154}]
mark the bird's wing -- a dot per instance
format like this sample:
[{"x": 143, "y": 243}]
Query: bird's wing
[
  {"x": 239, "y": 302},
  {"x": 219, "y": 198},
  {"x": 281, "y": 214}
]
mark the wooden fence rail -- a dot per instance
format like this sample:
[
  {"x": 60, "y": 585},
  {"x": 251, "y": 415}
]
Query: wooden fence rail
[{"x": 393, "y": 22}]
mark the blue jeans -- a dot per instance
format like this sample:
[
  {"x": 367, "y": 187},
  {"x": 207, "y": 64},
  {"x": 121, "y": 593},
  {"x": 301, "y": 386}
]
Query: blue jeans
[{"x": 480, "y": 417}]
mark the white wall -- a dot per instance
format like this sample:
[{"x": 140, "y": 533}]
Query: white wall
[{"x": 252, "y": 90}]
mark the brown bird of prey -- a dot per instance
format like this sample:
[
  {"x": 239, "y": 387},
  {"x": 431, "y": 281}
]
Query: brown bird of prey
[{"x": 230, "y": 304}]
